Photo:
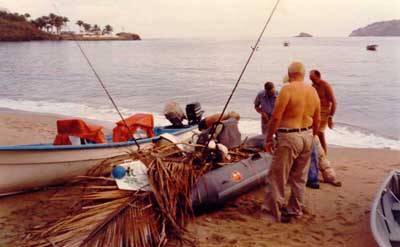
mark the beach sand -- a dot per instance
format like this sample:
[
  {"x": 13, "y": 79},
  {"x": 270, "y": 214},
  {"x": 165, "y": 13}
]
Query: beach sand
[{"x": 335, "y": 217}]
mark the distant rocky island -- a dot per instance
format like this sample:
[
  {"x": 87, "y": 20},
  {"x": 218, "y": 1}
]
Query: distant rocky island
[
  {"x": 17, "y": 27},
  {"x": 382, "y": 28},
  {"x": 303, "y": 35}
]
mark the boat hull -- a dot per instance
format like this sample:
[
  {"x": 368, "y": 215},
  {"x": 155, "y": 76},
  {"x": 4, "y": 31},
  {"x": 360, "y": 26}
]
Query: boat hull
[
  {"x": 384, "y": 225},
  {"x": 225, "y": 183},
  {"x": 28, "y": 167}
]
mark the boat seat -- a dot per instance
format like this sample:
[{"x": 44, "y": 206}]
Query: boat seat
[
  {"x": 394, "y": 237},
  {"x": 396, "y": 206},
  {"x": 396, "y": 211}
]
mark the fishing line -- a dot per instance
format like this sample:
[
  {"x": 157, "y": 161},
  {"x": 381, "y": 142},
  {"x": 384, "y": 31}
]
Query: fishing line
[
  {"x": 99, "y": 80},
  {"x": 253, "y": 50}
]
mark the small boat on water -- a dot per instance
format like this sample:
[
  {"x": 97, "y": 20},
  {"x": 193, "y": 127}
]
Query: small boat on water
[
  {"x": 371, "y": 47},
  {"x": 385, "y": 213},
  {"x": 286, "y": 43}
]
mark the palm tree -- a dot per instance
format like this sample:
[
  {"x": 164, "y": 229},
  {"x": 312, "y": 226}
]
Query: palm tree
[
  {"x": 47, "y": 23},
  {"x": 52, "y": 22},
  {"x": 87, "y": 27},
  {"x": 65, "y": 20},
  {"x": 96, "y": 29},
  {"x": 80, "y": 24},
  {"x": 108, "y": 29},
  {"x": 59, "y": 21}
]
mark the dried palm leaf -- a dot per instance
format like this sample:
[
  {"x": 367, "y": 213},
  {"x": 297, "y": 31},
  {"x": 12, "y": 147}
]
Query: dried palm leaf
[
  {"x": 106, "y": 216},
  {"x": 111, "y": 217}
]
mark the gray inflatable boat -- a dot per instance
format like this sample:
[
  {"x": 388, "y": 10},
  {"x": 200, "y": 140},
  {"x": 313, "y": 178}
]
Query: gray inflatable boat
[
  {"x": 385, "y": 213},
  {"x": 230, "y": 181}
]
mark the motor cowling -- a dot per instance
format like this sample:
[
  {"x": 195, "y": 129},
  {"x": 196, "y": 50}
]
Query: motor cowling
[{"x": 194, "y": 113}]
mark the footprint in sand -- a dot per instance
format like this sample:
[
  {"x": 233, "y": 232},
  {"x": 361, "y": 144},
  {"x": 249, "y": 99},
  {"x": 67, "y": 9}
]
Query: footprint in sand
[
  {"x": 216, "y": 238},
  {"x": 346, "y": 222},
  {"x": 354, "y": 205},
  {"x": 342, "y": 168}
]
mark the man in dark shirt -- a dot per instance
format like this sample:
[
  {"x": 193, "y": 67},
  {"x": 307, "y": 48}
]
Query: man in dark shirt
[{"x": 264, "y": 104}]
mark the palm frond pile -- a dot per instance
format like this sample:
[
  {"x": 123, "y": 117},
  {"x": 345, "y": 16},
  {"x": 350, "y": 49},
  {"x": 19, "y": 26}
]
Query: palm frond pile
[{"x": 107, "y": 216}]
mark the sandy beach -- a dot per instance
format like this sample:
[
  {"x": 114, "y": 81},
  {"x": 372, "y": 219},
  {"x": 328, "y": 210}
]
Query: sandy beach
[{"x": 335, "y": 217}]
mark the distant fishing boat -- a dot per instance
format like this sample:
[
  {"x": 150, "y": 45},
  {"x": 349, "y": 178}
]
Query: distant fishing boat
[
  {"x": 372, "y": 47},
  {"x": 385, "y": 213},
  {"x": 286, "y": 43}
]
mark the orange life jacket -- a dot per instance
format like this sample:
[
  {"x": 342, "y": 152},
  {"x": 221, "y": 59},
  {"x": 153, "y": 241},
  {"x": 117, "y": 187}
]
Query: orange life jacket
[
  {"x": 144, "y": 121},
  {"x": 78, "y": 128}
]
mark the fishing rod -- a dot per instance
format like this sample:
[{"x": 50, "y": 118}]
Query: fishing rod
[
  {"x": 100, "y": 81},
  {"x": 253, "y": 50}
]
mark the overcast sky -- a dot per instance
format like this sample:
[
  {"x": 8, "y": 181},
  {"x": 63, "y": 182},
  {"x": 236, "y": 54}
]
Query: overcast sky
[{"x": 217, "y": 18}]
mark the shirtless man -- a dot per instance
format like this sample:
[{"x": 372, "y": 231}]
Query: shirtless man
[
  {"x": 328, "y": 105},
  {"x": 295, "y": 119}
]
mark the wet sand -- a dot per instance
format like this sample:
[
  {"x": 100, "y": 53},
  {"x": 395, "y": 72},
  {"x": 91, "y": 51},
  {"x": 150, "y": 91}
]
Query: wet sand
[{"x": 335, "y": 217}]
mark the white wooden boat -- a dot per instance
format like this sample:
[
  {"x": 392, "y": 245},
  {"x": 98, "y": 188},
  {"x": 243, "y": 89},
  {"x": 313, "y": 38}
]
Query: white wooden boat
[
  {"x": 385, "y": 213},
  {"x": 25, "y": 167}
]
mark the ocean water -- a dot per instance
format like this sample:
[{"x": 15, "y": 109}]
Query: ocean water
[{"x": 53, "y": 77}]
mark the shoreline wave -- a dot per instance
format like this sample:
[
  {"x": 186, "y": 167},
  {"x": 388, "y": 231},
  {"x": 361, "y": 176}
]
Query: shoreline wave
[{"x": 345, "y": 135}]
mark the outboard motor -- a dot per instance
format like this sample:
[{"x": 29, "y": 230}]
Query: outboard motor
[
  {"x": 174, "y": 113},
  {"x": 194, "y": 113}
]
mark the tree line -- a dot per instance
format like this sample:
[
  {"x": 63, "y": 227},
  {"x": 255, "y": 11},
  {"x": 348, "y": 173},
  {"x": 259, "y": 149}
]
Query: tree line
[
  {"x": 95, "y": 29},
  {"x": 14, "y": 17},
  {"x": 52, "y": 22},
  {"x": 49, "y": 22}
]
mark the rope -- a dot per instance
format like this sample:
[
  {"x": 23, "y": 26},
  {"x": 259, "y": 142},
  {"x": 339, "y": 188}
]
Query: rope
[
  {"x": 100, "y": 81},
  {"x": 253, "y": 50}
]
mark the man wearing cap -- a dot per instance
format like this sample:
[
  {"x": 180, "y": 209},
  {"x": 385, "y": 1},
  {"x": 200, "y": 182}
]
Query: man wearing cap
[
  {"x": 328, "y": 105},
  {"x": 295, "y": 120},
  {"x": 264, "y": 104}
]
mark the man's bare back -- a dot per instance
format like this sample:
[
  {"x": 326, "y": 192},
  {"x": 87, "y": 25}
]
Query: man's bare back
[{"x": 298, "y": 106}]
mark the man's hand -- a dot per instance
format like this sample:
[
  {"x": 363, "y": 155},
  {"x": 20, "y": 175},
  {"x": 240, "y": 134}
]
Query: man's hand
[
  {"x": 269, "y": 147},
  {"x": 330, "y": 122},
  {"x": 265, "y": 116}
]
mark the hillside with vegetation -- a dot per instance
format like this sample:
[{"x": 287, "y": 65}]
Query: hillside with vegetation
[
  {"x": 17, "y": 27},
  {"x": 382, "y": 28}
]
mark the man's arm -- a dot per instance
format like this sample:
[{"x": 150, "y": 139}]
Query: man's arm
[
  {"x": 257, "y": 104},
  {"x": 258, "y": 109},
  {"x": 280, "y": 105},
  {"x": 332, "y": 98},
  {"x": 317, "y": 113}
]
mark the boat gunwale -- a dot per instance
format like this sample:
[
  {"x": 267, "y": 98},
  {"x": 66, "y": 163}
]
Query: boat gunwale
[
  {"x": 375, "y": 204},
  {"x": 51, "y": 147}
]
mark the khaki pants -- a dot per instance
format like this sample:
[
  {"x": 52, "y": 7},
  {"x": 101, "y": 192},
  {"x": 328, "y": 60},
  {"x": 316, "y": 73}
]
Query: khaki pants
[
  {"x": 328, "y": 174},
  {"x": 289, "y": 165}
]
